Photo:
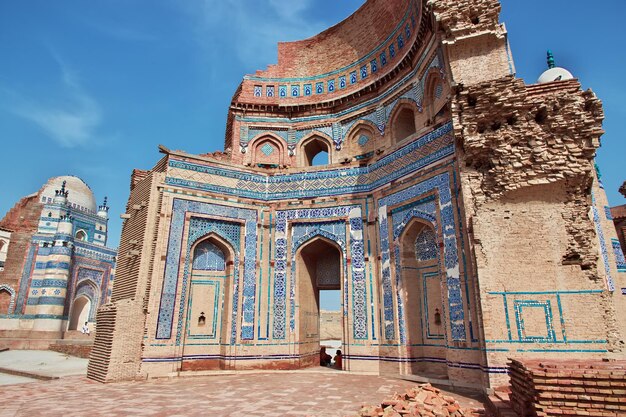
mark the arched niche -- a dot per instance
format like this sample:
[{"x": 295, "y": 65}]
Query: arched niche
[
  {"x": 268, "y": 151},
  {"x": 436, "y": 93},
  {"x": 363, "y": 139},
  {"x": 210, "y": 292},
  {"x": 421, "y": 292},
  {"x": 318, "y": 267},
  {"x": 81, "y": 308},
  {"x": 315, "y": 150},
  {"x": 81, "y": 235},
  {"x": 7, "y": 299},
  {"x": 404, "y": 121}
]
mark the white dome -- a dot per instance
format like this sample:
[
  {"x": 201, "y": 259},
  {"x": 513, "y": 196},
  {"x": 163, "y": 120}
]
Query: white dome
[
  {"x": 79, "y": 193},
  {"x": 555, "y": 74}
]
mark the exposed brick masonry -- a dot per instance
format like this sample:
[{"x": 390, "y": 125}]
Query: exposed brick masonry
[
  {"x": 568, "y": 388},
  {"x": 514, "y": 136}
]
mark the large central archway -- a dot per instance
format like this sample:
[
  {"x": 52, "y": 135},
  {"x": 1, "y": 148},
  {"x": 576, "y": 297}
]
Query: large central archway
[{"x": 319, "y": 267}]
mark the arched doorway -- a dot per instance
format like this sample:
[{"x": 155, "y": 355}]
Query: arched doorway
[
  {"x": 422, "y": 289},
  {"x": 80, "y": 312},
  {"x": 207, "y": 321},
  {"x": 318, "y": 270}
]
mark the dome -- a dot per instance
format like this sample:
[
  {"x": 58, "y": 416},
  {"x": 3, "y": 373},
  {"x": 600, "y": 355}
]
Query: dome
[
  {"x": 79, "y": 192},
  {"x": 555, "y": 74}
]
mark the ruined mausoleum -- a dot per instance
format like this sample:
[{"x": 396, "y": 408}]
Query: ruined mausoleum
[
  {"x": 55, "y": 267},
  {"x": 457, "y": 210}
]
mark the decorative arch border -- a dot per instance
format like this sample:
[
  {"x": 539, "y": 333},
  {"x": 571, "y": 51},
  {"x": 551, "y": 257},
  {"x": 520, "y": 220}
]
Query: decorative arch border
[
  {"x": 318, "y": 231},
  {"x": 441, "y": 185},
  {"x": 89, "y": 289},
  {"x": 426, "y": 212},
  {"x": 353, "y": 216},
  {"x": 358, "y": 125},
  {"x": 12, "y": 293},
  {"x": 199, "y": 230},
  {"x": 274, "y": 139},
  {"x": 180, "y": 209}
]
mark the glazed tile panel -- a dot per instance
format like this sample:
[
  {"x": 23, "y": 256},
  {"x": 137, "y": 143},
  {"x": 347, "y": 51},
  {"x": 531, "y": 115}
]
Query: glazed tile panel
[
  {"x": 420, "y": 153},
  {"x": 231, "y": 232},
  {"x": 440, "y": 184},
  {"x": 336, "y": 219}
]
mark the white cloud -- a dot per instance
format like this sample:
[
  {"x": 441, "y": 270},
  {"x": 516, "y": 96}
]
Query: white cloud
[
  {"x": 71, "y": 118},
  {"x": 251, "y": 30}
]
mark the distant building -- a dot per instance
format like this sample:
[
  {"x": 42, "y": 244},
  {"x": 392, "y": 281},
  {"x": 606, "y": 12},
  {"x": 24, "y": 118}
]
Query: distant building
[{"x": 55, "y": 267}]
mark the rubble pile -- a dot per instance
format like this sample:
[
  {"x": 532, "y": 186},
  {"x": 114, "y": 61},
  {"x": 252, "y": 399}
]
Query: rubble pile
[{"x": 422, "y": 400}]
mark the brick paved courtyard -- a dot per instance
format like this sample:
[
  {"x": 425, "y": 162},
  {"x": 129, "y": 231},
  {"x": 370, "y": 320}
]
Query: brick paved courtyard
[{"x": 255, "y": 394}]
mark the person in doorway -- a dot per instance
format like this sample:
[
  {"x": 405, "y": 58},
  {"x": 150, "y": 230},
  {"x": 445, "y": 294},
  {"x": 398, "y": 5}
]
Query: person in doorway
[
  {"x": 324, "y": 357},
  {"x": 337, "y": 360},
  {"x": 85, "y": 329}
]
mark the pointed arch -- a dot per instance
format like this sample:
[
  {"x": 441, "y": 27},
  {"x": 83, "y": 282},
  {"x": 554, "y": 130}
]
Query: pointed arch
[
  {"x": 208, "y": 311},
  {"x": 268, "y": 149},
  {"x": 403, "y": 120},
  {"x": 81, "y": 235},
  {"x": 363, "y": 138},
  {"x": 420, "y": 289},
  {"x": 220, "y": 242},
  {"x": 313, "y": 145},
  {"x": 7, "y": 299},
  {"x": 436, "y": 91}
]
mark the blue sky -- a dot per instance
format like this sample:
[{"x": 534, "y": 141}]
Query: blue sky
[{"x": 91, "y": 88}]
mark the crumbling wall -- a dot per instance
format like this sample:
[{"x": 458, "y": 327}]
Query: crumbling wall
[
  {"x": 525, "y": 157},
  {"x": 513, "y": 136}
]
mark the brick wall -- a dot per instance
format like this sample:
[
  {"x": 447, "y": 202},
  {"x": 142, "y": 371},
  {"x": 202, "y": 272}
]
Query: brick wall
[
  {"x": 556, "y": 388},
  {"x": 23, "y": 220}
]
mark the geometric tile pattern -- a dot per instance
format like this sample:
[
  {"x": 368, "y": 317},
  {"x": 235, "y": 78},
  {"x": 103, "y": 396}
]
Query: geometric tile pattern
[
  {"x": 420, "y": 153},
  {"x": 226, "y": 230},
  {"x": 208, "y": 257},
  {"x": 426, "y": 245},
  {"x": 267, "y": 149},
  {"x": 350, "y": 215},
  {"x": 441, "y": 184},
  {"x": 610, "y": 284}
]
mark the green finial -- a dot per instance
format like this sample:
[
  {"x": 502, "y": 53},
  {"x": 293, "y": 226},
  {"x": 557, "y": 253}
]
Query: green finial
[{"x": 551, "y": 63}]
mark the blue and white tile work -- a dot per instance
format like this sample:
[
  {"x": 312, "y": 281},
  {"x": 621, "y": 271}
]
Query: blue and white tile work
[
  {"x": 67, "y": 258},
  {"x": 441, "y": 185},
  {"x": 610, "y": 284},
  {"x": 241, "y": 224},
  {"x": 420, "y": 153},
  {"x": 381, "y": 118},
  {"x": 619, "y": 255},
  {"x": 336, "y": 220}
]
